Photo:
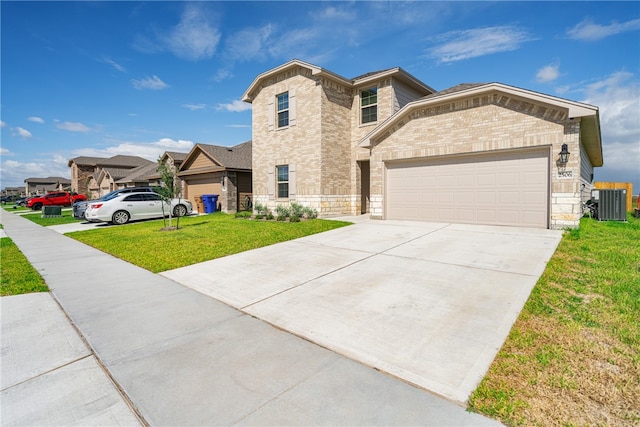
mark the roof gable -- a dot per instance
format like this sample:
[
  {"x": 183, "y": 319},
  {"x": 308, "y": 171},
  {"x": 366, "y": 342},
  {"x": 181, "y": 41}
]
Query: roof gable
[
  {"x": 590, "y": 129},
  {"x": 205, "y": 156}
]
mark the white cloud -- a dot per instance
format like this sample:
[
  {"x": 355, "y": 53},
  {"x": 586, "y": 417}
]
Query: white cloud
[
  {"x": 36, "y": 119},
  {"x": 548, "y": 73},
  {"x": 235, "y": 106},
  {"x": 4, "y": 151},
  {"x": 148, "y": 150},
  {"x": 465, "y": 44},
  {"x": 249, "y": 44},
  {"x": 193, "y": 38},
  {"x": 72, "y": 127},
  {"x": 114, "y": 64},
  {"x": 2, "y": 124},
  {"x": 22, "y": 133},
  {"x": 13, "y": 173},
  {"x": 153, "y": 83},
  {"x": 194, "y": 107},
  {"x": 588, "y": 31},
  {"x": 618, "y": 99}
]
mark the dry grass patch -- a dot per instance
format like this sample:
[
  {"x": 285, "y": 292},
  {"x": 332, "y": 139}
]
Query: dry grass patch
[{"x": 573, "y": 356}]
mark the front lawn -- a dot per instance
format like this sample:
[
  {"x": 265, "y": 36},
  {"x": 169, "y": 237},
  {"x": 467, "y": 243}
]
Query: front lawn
[
  {"x": 200, "y": 238},
  {"x": 573, "y": 356},
  {"x": 66, "y": 218},
  {"x": 17, "y": 276}
]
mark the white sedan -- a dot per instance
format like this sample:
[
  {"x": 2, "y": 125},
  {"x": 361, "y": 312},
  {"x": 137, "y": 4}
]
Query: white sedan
[{"x": 132, "y": 206}]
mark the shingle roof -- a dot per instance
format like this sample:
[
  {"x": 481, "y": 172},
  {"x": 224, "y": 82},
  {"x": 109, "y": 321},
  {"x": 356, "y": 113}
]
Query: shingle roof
[
  {"x": 372, "y": 73},
  {"x": 117, "y": 173},
  {"x": 49, "y": 180},
  {"x": 456, "y": 88},
  {"x": 85, "y": 161},
  {"x": 176, "y": 156},
  {"x": 121, "y": 161},
  {"x": 236, "y": 157},
  {"x": 141, "y": 173}
]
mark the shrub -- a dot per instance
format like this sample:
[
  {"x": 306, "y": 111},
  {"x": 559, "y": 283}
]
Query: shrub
[
  {"x": 310, "y": 213},
  {"x": 283, "y": 211},
  {"x": 244, "y": 214},
  {"x": 269, "y": 216},
  {"x": 297, "y": 209},
  {"x": 294, "y": 218},
  {"x": 281, "y": 218}
]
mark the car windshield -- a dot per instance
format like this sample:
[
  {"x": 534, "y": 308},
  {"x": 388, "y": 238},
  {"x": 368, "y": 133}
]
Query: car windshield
[{"x": 111, "y": 195}]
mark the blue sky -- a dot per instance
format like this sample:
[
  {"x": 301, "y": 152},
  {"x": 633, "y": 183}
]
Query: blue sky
[{"x": 139, "y": 78}]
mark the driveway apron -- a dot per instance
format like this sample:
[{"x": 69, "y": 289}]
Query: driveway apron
[{"x": 430, "y": 303}]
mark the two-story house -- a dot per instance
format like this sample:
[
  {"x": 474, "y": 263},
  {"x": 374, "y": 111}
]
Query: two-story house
[{"x": 388, "y": 144}]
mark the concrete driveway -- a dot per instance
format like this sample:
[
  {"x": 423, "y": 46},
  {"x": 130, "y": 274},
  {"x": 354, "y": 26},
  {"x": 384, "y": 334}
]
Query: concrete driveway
[{"x": 430, "y": 303}]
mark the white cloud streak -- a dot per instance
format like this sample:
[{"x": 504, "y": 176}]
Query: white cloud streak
[
  {"x": 588, "y": 31},
  {"x": 73, "y": 127},
  {"x": 22, "y": 133},
  {"x": 548, "y": 74},
  {"x": 36, "y": 119},
  {"x": 152, "y": 83},
  {"x": 148, "y": 150},
  {"x": 235, "y": 106},
  {"x": 466, "y": 44},
  {"x": 193, "y": 38},
  {"x": 194, "y": 107}
]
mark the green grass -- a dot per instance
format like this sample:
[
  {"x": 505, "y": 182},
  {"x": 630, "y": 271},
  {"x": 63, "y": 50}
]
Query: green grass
[
  {"x": 573, "y": 355},
  {"x": 17, "y": 276},
  {"x": 66, "y": 218},
  {"x": 200, "y": 238}
]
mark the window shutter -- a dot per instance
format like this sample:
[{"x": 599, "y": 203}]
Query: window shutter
[
  {"x": 271, "y": 114},
  {"x": 271, "y": 184},
  {"x": 292, "y": 107},
  {"x": 292, "y": 181}
]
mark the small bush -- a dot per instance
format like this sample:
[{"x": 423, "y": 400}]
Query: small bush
[
  {"x": 269, "y": 216},
  {"x": 281, "y": 218},
  {"x": 283, "y": 211},
  {"x": 244, "y": 214},
  {"x": 294, "y": 218},
  {"x": 310, "y": 213},
  {"x": 297, "y": 209}
]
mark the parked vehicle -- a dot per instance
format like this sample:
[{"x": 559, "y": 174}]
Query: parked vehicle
[
  {"x": 80, "y": 207},
  {"x": 133, "y": 206},
  {"x": 22, "y": 201},
  {"x": 58, "y": 198},
  {"x": 8, "y": 199}
]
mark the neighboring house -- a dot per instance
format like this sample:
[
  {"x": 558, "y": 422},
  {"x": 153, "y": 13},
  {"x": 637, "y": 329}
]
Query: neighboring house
[
  {"x": 96, "y": 176},
  {"x": 174, "y": 161},
  {"x": 38, "y": 186},
  {"x": 13, "y": 191},
  {"x": 213, "y": 169},
  {"x": 387, "y": 144}
]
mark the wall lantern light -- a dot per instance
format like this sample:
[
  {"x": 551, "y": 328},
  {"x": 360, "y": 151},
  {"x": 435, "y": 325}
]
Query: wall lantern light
[{"x": 564, "y": 154}]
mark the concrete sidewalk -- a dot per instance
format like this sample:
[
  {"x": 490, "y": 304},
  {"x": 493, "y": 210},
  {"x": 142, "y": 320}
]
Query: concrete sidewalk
[{"x": 183, "y": 358}]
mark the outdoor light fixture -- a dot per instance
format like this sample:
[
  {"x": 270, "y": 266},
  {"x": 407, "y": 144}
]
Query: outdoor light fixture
[{"x": 564, "y": 154}]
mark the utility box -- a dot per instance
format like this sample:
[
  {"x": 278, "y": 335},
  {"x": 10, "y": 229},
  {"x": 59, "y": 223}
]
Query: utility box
[
  {"x": 51, "y": 211},
  {"x": 612, "y": 204}
]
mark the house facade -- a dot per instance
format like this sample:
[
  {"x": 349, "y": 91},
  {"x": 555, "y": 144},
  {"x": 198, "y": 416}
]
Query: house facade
[
  {"x": 40, "y": 186},
  {"x": 389, "y": 145},
  {"x": 223, "y": 171},
  {"x": 96, "y": 176}
]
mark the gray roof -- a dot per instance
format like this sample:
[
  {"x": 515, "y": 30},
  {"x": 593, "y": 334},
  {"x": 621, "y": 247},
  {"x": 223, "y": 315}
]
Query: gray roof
[
  {"x": 236, "y": 157},
  {"x": 117, "y": 173},
  {"x": 141, "y": 173},
  {"x": 85, "y": 160},
  {"x": 124, "y": 162},
  {"x": 456, "y": 88},
  {"x": 49, "y": 180},
  {"x": 177, "y": 157}
]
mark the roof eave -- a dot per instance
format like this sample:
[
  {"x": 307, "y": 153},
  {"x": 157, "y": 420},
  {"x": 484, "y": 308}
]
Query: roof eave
[{"x": 400, "y": 74}]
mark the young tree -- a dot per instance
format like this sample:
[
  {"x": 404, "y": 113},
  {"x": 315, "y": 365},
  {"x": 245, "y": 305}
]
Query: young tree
[{"x": 170, "y": 187}]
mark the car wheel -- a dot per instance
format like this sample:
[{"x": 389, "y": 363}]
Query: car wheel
[
  {"x": 179, "y": 210},
  {"x": 37, "y": 206},
  {"x": 120, "y": 217}
]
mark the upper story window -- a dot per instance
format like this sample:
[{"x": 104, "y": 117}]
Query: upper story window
[
  {"x": 283, "y": 109},
  {"x": 283, "y": 181},
  {"x": 369, "y": 105}
]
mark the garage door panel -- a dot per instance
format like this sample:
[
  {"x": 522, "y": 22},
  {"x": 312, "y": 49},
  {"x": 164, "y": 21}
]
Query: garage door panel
[{"x": 502, "y": 189}]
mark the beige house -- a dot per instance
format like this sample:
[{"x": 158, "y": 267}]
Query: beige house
[
  {"x": 39, "y": 186},
  {"x": 387, "y": 144},
  {"x": 224, "y": 171}
]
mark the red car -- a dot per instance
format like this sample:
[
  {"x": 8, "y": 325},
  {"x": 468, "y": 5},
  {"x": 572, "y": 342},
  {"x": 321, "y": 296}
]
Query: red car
[{"x": 59, "y": 198}]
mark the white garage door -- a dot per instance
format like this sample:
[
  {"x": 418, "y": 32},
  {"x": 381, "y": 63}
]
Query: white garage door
[{"x": 500, "y": 189}]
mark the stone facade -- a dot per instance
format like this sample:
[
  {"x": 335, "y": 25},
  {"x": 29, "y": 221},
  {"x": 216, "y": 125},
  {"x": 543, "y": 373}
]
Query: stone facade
[{"x": 328, "y": 149}]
